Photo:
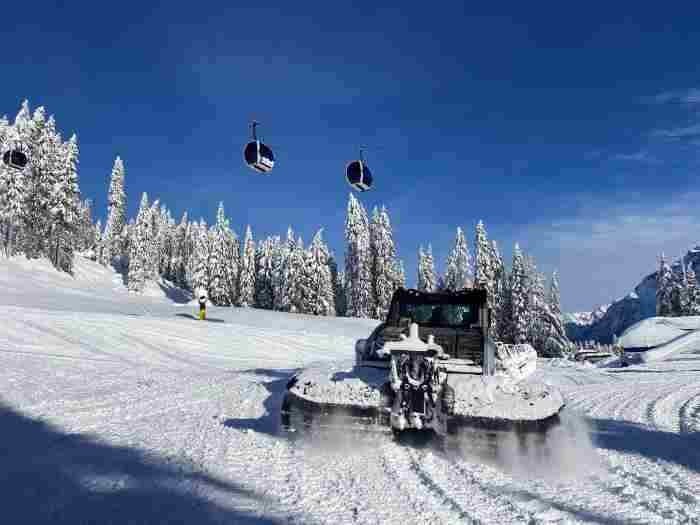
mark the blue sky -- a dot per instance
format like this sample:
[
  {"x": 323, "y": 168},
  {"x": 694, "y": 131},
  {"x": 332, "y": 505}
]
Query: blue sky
[{"x": 574, "y": 130}]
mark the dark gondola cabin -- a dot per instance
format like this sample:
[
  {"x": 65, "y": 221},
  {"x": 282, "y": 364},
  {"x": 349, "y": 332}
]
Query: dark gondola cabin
[
  {"x": 15, "y": 158},
  {"x": 359, "y": 175},
  {"x": 259, "y": 156}
]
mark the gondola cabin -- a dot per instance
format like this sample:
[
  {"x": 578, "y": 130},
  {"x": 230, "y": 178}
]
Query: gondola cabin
[
  {"x": 15, "y": 158},
  {"x": 259, "y": 156},
  {"x": 359, "y": 175}
]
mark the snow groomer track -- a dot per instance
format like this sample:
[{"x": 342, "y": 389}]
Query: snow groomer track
[{"x": 119, "y": 409}]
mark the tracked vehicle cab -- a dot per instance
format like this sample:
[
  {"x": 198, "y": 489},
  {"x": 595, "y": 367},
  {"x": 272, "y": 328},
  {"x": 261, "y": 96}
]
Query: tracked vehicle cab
[{"x": 457, "y": 321}]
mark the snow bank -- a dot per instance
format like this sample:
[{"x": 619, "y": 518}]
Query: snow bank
[
  {"x": 656, "y": 331},
  {"x": 35, "y": 283},
  {"x": 687, "y": 342},
  {"x": 341, "y": 383}
]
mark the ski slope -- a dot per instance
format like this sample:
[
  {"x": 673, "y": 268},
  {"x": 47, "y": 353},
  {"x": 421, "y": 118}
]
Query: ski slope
[{"x": 118, "y": 408}]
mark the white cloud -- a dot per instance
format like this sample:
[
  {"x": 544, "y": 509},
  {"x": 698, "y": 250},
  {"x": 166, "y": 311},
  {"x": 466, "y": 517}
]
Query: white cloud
[
  {"x": 640, "y": 156},
  {"x": 679, "y": 133},
  {"x": 606, "y": 248},
  {"x": 683, "y": 96}
]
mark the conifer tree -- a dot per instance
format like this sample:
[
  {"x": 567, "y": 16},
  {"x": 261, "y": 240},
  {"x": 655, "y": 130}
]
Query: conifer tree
[
  {"x": 664, "y": 284},
  {"x": 140, "y": 248},
  {"x": 220, "y": 261},
  {"x": 264, "y": 271},
  {"x": 400, "y": 275},
  {"x": 279, "y": 255},
  {"x": 338, "y": 281},
  {"x": 517, "y": 298},
  {"x": 283, "y": 272},
  {"x": 554, "y": 299},
  {"x": 485, "y": 271},
  {"x": 358, "y": 261},
  {"x": 246, "y": 290},
  {"x": 116, "y": 214},
  {"x": 97, "y": 238},
  {"x": 427, "y": 280},
  {"x": 693, "y": 293},
  {"x": 384, "y": 264},
  {"x": 293, "y": 292},
  {"x": 180, "y": 253},
  {"x": 318, "y": 281},
  {"x": 200, "y": 258},
  {"x": 459, "y": 265},
  {"x": 498, "y": 314}
]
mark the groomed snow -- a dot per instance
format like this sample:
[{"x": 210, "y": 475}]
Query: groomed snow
[{"x": 118, "y": 408}]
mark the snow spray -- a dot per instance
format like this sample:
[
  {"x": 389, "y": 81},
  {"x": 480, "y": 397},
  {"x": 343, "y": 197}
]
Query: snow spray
[{"x": 566, "y": 453}]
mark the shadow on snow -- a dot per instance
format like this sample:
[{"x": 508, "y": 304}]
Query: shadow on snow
[
  {"x": 208, "y": 319},
  {"x": 49, "y": 476},
  {"x": 633, "y": 438},
  {"x": 269, "y": 422}
]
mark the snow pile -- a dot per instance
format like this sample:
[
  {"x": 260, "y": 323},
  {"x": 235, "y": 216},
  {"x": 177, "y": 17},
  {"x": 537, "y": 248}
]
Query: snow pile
[
  {"x": 515, "y": 361},
  {"x": 656, "y": 331},
  {"x": 340, "y": 384},
  {"x": 498, "y": 397}
]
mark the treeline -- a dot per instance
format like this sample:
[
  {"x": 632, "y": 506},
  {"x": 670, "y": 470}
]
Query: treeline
[
  {"x": 41, "y": 215},
  {"x": 677, "y": 291}
]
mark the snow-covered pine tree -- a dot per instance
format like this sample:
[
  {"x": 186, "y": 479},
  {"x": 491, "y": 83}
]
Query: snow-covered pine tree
[
  {"x": 200, "y": 258},
  {"x": 292, "y": 269},
  {"x": 116, "y": 214},
  {"x": 86, "y": 229},
  {"x": 459, "y": 272},
  {"x": 246, "y": 282},
  {"x": 154, "y": 242},
  {"x": 337, "y": 281},
  {"x": 191, "y": 241},
  {"x": 664, "y": 286},
  {"x": 97, "y": 239},
  {"x": 264, "y": 293},
  {"x": 220, "y": 292},
  {"x": 485, "y": 271},
  {"x": 166, "y": 235},
  {"x": 693, "y": 293},
  {"x": 517, "y": 298},
  {"x": 677, "y": 291},
  {"x": 320, "y": 297},
  {"x": 500, "y": 279},
  {"x": 282, "y": 300},
  {"x": 384, "y": 264},
  {"x": 279, "y": 254},
  {"x": 341, "y": 295},
  {"x": 358, "y": 261},
  {"x": 63, "y": 206},
  {"x": 427, "y": 280},
  {"x": 233, "y": 249},
  {"x": 400, "y": 275},
  {"x": 140, "y": 247},
  {"x": 37, "y": 231},
  {"x": 14, "y": 191},
  {"x": 180, "y": 253},
  {"x": 537, "y": 325},
  {"x": 125, "y": 240},
  {"x": 554, "y": 297}
]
